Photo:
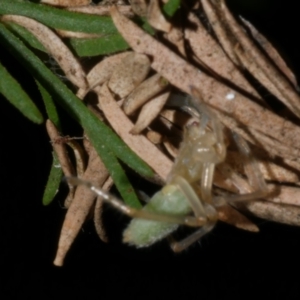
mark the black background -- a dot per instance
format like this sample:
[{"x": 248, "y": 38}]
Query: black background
[{"x": 226, "y": 263}]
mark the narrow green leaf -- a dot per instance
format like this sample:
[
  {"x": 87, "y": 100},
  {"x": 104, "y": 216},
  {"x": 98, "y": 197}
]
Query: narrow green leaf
[
  {"x": 105, "y": 141},
  {"x": 171, "y": 7},
  {"x": 82, "y": 47},
  {"x": 98, "y": 46},
  {"x": 53, "y": 182},
  {"x": 50, "y": 106},
  {"x": 25, "y": 35},
  {"x": 59, "y": 18},
  {"x": 14, "y": 93}
]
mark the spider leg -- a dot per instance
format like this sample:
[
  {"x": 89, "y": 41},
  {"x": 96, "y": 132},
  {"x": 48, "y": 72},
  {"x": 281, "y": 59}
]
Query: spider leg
[
  {"x": 252, "y": 170},
  {"x": 255, "y": 177},
  {"x": 140, "y": 213},
  {"x": 194, "y": 237}
]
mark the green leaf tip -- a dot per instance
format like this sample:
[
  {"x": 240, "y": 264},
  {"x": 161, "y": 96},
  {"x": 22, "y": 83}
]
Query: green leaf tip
[
  {"x": 53, "y": 182},
  {"x": 171, "y": 7},
  {"x": 59, "y": 18},
  {"x": 14, "y": 93}
]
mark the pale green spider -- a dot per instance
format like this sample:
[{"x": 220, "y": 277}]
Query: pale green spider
[{"x": 186, "y": 199}]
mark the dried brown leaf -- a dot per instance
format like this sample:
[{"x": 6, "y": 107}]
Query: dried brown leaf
[
  {"x": 138, "y": 143},
  {"x": 80, "y": 157},
  {"x": 286, "y": 214},
  {"x": 156, "y": 18},
  {"x": 54, "y": 45},
  {"x": 176, "y": 37},
  {"x": 63, "y": 157},
  {"x": 270, "y": 170},
  {"x": 80, "y": 206},
  {"x": 129, "y": 74},
  {"x": 149, "y": 112},
  {"x": 258, "y": 64},
  {"x": 221, "y": 30},
  {"x": 101, "y": 72},
  {"x": 183, "y": 75},
  {"x": 60, "y": 149},
  {"x": 272, "y": 52},
  {"x": 144, "y": 92},
  {"x": 284, "y": 194},
  {"x": 98, "y": 210},
  {"x": 209, "y": 53},
  {"x": 231, "y": 216}
]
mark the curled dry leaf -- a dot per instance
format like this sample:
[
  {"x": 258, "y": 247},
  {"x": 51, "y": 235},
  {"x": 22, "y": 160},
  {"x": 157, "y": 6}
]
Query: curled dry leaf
[
  {"x": 227, "y": 41},
  {"x": 176, "y": 37},
  {"x": 278, "y": 196},
  {"x": 270, "y": 170},
  {"x": 212, "y": 56},
  {"x": 156, "y": 18},
  {"x": 149, "y": 112},
  {"x": 80, "y": 156},
  {"x": 55, "y": 47},
  {"x": 231, "y": 216},
  {"x": 98, "y": 222},
  {"x": 284, "y": 194},
  {"x": 62, "y": 155},
  {"x": 129, "y": 74},
  {"x": 255, "y": 61},
  {"x": 286, "y": 214},
  {"x": 101, "y": 72},
  {"x": 139, "y": 144},
  {"x": 80, "y": 206},
  {"x": 183, "y": 75},
  {"x": 60, "y": 149},
  {"x": 144, "y": 92},
  {"x": 272, "y": 52},
  {"x": 66, "y": 2}
]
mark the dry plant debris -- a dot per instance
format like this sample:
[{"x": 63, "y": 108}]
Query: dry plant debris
[{"x": 133, "y": 88}]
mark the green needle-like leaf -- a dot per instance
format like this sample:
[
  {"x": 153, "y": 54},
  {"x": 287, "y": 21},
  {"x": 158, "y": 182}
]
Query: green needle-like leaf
[
  {"x": 98, "y": 46},
  {"x": 105, "y": 141},
  {"x": 25, "y": 35},
  {"x": 171, "y": 7},
  {"x": 53, "y": 182},
  {"x": 59, "y": 18},
  {"x": 50, "y": 106},
  {"x": 14, "y": 93}
]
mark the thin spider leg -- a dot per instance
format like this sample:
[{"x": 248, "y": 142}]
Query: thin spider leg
[
  {"x": 194, "y": 237},
  {"x": 252, "y": 170},
  {"x": 139, "y": 214},
  {"x": 255, "y": 177},
  {"x": 190, "y": 196}
]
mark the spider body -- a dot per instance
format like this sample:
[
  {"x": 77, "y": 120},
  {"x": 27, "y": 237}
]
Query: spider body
[
  {"x": 186, "y": 199},
  {"x": 188, "y": 187}
]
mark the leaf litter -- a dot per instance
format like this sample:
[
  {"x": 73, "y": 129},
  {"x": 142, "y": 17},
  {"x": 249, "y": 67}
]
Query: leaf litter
[{"x": 184, "y": 59}]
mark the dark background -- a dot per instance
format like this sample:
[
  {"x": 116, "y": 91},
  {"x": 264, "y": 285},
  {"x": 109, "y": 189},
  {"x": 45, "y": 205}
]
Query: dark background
[{"x": 226, "y": 263}]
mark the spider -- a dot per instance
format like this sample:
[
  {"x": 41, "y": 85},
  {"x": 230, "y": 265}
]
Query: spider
[{"x": 187, "y": 197}]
